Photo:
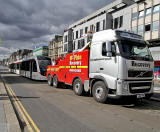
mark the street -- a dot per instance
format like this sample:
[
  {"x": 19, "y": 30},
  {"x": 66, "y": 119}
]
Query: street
[{"x": 59, "y": 109}]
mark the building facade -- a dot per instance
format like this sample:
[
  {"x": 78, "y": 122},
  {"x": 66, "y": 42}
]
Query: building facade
[
  {"x": 19, "y": 55},
  {"x": 139, "y": 16},
  {"x": 56, "y": 47},
  {"x": 116, "y": 15}
]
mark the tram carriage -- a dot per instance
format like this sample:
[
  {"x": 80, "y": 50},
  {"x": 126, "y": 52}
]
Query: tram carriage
[{"x": 34, "y": 67}]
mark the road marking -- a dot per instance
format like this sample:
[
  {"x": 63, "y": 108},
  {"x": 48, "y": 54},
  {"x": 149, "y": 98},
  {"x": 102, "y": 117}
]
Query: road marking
[{"x": 22, "y": 110}]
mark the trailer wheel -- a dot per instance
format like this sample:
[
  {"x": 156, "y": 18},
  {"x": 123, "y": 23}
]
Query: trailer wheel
[
  {"x": 55, "y": 81},
  {"x": 100, "y": 92},
  {"x": 78, "y": 87},
  {"x": 50, "y": 80}
]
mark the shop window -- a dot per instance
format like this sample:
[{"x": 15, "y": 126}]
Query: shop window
[
  {"x": 156, "y": 9},
  {"x": 155, "y": 26},
  {"x": 147, "y": 27}
]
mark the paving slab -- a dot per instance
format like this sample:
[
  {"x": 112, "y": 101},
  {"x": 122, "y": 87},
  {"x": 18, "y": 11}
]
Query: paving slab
[{"x": 8, "y": 119}]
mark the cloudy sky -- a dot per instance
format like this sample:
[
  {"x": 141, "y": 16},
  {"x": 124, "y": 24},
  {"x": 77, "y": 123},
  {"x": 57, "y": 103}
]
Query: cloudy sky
[{"x": 24, "y": 23}]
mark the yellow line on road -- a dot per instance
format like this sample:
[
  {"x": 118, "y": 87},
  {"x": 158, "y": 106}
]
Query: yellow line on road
[
  {"x": 24, "y": 110},
  {"x": 24, "y": 117}
]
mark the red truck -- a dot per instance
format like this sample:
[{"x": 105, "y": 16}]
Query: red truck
[{"x": 71, "y": 70}]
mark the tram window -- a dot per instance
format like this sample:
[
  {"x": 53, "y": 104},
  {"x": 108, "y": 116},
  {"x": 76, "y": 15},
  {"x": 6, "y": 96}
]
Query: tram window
[
  {"x": 27, "y": 65},
  {"x": 34, "y": 66},
  {"x": 17, "y": 66},
  {"x": 23, "y": 66}
]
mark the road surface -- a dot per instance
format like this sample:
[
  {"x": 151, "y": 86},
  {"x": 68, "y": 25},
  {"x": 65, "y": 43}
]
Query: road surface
[{"x": 60, "y": 110}]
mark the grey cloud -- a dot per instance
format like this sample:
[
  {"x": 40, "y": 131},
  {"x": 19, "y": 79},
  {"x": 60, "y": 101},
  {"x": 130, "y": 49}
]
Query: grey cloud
[{"x": 25, "y": 22}]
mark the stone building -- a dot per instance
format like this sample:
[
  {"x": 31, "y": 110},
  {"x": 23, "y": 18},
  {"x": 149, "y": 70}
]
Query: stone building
[
  {"x": 56, "y": 47},
  {"x": 19, "y": 55}
]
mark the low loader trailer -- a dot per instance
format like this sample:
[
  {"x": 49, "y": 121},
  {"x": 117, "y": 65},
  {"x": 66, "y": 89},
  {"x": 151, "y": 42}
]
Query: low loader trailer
[{"x": 114, "y": 64}]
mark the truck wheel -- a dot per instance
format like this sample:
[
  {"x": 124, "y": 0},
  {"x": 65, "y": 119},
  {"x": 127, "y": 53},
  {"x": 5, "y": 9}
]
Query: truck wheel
[
  {"x": 50, "y": 80},
  {"x": 78, "y": 87},
  {"x": 100, "y": 92},
  {"x": 55, "y": 81}
]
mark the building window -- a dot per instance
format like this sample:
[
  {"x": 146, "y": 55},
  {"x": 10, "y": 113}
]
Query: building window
[
  {"x": 134, "y": 16},
  {"x": 134, "y": 29},
  {"x": 156, "y": 9},
  {"x": 79, "y": 44},
  {"x": 74, "y": 45},
  {"x": 141, "y": 14},
  {"x": 115, "y": 23},
  {"x": 148, "y": 11},
  {"x": 121, "y": 21},
  {"x": 104, "y": 24},
  {"x": 65, "y": 47},
  {"x": 65, "y": 39},
  {"x": 86, "y": 30},
  {"x": 73, "y": 35},
  {"x": 76, "y": 34},
  {"x": 92, "y": 28},
  {"x": 97, "y": 26},
  {"x": 112, "y": 23},
  {"x": 147, "y": 27},
  {"x": 81, "y": 32},
  {"x": 140, "y": 29},
  {"x": 82, "y": 43},
  {"x": 155, "y": 26}
]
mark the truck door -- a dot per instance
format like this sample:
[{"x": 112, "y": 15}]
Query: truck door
[{"x": 108, "y": 66}]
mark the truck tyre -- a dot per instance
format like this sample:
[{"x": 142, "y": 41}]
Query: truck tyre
[
  {"x": 55, "y": 81},
  {"x": 78, "y": 87},
  {"x": 50, "y": 80},
  {"x": 100, "y": 92}
]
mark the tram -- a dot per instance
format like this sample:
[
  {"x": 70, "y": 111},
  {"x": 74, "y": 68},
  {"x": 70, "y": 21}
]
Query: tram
[{"x": 34, "y": 67}]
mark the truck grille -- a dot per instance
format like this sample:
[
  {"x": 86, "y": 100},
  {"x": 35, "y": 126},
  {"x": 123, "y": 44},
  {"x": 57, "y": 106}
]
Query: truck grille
[
  {"x": 140, "y": 87},
  {"x": 140, "y": 74}
]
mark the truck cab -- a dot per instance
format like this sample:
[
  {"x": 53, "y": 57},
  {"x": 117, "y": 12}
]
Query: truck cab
[{"x": 120, "y": 64}]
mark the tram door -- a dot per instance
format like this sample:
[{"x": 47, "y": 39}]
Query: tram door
[{"x": 31, "y": 69}]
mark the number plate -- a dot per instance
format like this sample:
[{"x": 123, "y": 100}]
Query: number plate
[{"x": 140, "y": 96}]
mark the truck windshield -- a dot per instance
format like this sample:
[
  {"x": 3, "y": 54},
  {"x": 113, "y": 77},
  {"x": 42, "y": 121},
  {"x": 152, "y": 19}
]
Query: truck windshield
[{"x": 134, "y": 50}]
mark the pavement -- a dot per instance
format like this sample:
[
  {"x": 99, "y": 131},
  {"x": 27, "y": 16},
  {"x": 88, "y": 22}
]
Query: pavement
[
  {"x": 156, "y": 95},
  {"x": 8, "y": 119}
]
